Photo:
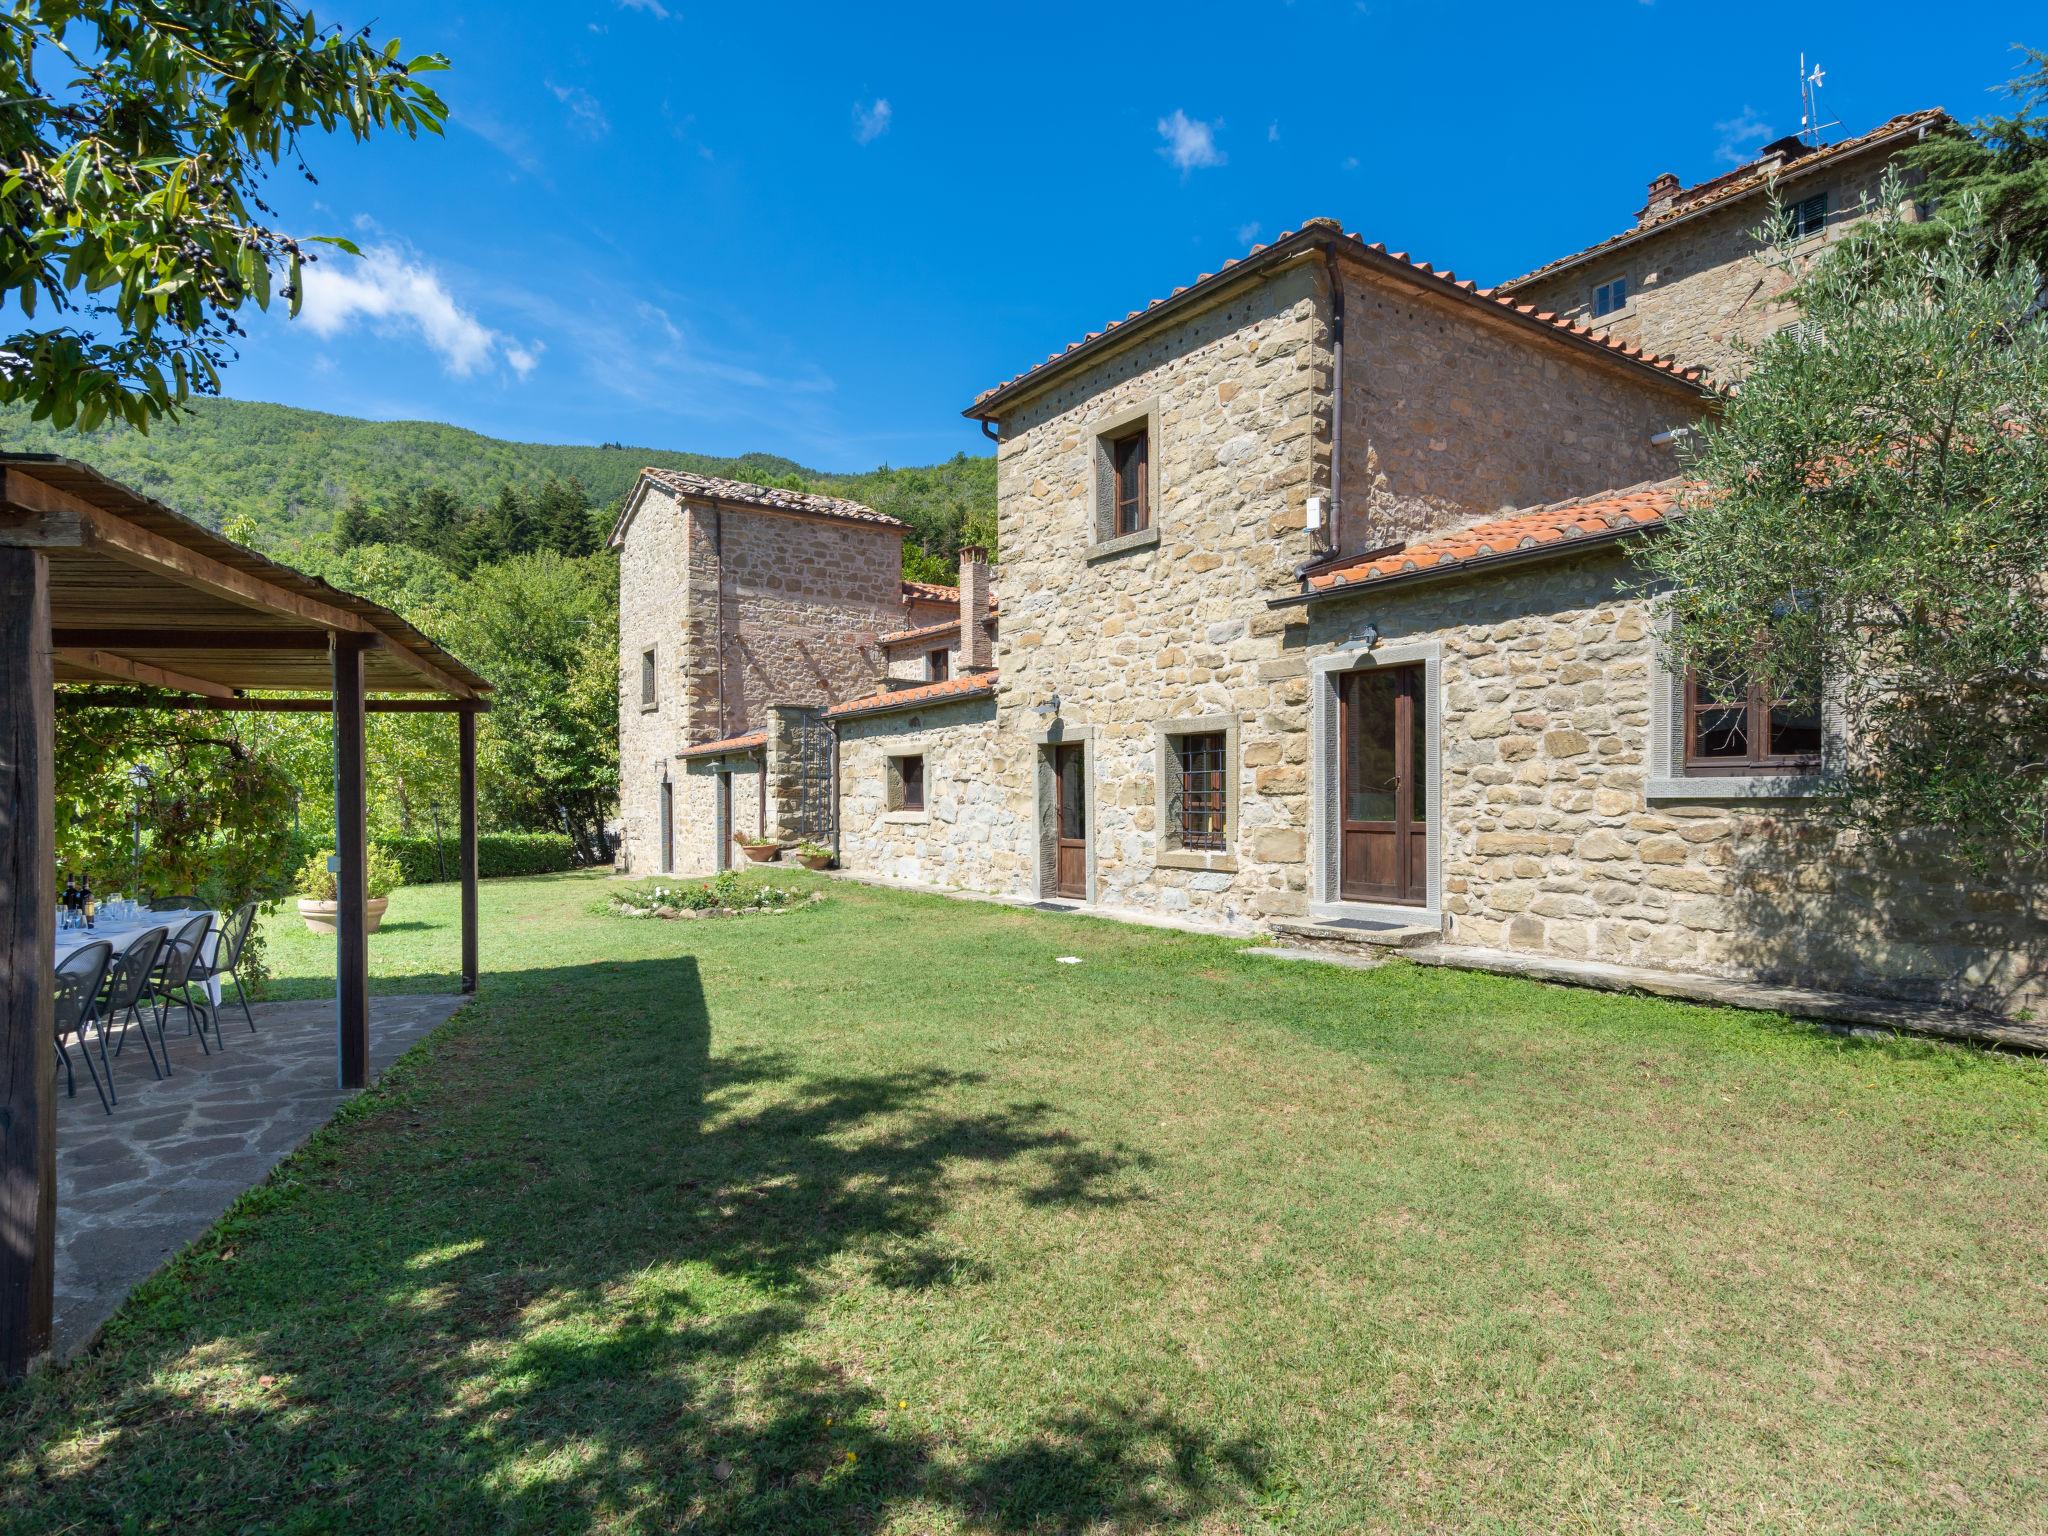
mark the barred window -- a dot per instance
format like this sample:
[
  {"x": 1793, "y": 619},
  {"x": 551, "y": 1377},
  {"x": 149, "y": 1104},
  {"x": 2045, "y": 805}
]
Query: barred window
[{"x": 1202, "y": 798}]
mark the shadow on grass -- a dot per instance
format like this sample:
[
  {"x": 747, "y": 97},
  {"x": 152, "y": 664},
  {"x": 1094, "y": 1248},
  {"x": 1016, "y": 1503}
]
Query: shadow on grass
[{"x": 567, "y": 1270}]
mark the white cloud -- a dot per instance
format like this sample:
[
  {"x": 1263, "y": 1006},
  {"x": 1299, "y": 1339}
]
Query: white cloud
[
  {"x": 524, "y": 358},
  {"x": 1248, "y": 234},
  {"x": 1190, "y": 142},
  {"x": 1351, "y": 162},
  {"x": 392, "y": 290},
  {"x": 1738, "y": 133},
  {"x": 1273, "y": 132},
  {"x": 653, "y": 8},
  {"x": 871, "y": 122},
  {"x": 585, "y": 115}
]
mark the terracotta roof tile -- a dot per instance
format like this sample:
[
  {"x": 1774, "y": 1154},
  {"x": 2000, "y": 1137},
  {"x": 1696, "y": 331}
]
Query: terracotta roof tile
[
  {"x": 969, "y": 685},
  {"x": 774, "y": 498},
  {"x": 1420, "y": 273},
  {"x": 726, "y": 744},
  {"x": 1564, "y": 522},
  {"x": 929, "y": 592},
  {"x": 1740, "y": 182}
]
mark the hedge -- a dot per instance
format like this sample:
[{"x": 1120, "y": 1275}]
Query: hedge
[{"x": 497, "y": 853}]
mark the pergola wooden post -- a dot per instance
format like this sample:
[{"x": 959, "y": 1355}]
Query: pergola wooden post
[
  {"x": 28, "y": 932},
  {"x": 101, "y": 585}
]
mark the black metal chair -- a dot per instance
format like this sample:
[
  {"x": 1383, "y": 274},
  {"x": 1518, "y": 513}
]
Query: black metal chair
[
  {"x": 171, "y": 982},
  {"x": 78, "y": 988},
  {"x": 225, "y": 954},
  {"x": 127, "y": 985}
]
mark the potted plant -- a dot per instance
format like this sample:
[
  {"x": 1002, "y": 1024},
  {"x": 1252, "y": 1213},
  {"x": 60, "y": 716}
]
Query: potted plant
[
  {"x": 813, "y": 855},
  {"x": 317, "y": 895},
  {"x": 761, "y": 850}
]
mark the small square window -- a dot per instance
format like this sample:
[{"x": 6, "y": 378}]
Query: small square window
[
  {"x": 1733, "y": 726},
  {"x": 1809, "y": 216},
  {"x": 937, "y": 665},
  {"x": 647, "y": 698},
  {"x": 1609, "y": 297},
  {"x": 906, "y": 783}
]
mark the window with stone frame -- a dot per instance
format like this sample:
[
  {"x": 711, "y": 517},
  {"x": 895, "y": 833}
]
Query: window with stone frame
[
  {"x": 1197, "y": 795},
  {"x": 906, "y": 782},
  {"x": 648, "y": 699},
  {"x": 1130, "y": 472},
  {"x": 937, "y": 665},
  {"x": 1734, "y": 727},
  {"x": 1808, "y": 216},
  {"x": 1610, "y": 297}
]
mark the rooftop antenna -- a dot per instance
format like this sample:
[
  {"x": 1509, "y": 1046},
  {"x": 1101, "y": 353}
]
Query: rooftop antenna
[{"x": 1810, "y": 118}]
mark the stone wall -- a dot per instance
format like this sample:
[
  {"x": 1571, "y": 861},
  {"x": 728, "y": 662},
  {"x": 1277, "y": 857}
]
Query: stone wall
[
  {"x": 697, "y": 831},
  {"x": 799, "y": 767},
  {"x": 1450, "y": 418},
  {"x": 1696, "y": 289},
  {"x": 1552, "y": 845},
  {"x": 971, "y": 834},
  {"x": 653, "y": 568},
  {"x": 804, "y": 600},
  {"x": 910, "y": 663},
  {"x": 1173, "y": 625}
]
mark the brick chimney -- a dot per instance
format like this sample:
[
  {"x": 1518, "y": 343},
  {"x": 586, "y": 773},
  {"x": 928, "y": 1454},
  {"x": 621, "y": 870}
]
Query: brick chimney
[
  {"x": 976, "y": 654},
  {"x": 1663, "y": 193}
]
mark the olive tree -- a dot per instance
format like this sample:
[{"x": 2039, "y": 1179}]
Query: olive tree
[{"x": 1873, "y": 514}]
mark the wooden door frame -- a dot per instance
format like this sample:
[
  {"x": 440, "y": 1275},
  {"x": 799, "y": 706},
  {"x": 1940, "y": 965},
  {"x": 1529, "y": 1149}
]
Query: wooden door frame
[
  {"x": 721, "y": 820},
  {"x": 1415, "y": 893},
  {"x": 1326, "y": 899},
  {"x": 1060, "y": 734},
  {"x": 1074, "y": 755}
]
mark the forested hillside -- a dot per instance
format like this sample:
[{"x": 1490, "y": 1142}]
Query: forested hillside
[{"x": 290, "y": 472}]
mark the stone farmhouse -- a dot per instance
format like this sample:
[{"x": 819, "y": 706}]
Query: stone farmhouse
[
  {"x": 1316, "y": 615},
  {"x": 1681, "y": 282}
]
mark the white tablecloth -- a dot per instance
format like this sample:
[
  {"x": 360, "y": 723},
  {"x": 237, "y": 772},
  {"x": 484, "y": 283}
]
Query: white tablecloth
[{"x": 125, "y": 932}]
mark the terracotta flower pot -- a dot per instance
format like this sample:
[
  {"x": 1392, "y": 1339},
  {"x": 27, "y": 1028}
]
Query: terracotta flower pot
[
  {"x": 814, "y": 860},
  {"x": 319, "y": 915},
  {"x": 761, "y": 853}
]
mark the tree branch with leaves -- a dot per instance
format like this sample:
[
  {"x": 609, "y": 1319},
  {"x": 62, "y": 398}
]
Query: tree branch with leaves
[{"x": 135, "y": 140}]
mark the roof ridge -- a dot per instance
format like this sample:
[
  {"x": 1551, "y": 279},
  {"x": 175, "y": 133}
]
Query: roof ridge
[
  {"x": 1735, "y": 184},
  {"x": 1447, "y": 277}
]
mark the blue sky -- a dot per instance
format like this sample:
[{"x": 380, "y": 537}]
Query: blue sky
[{"x": 821, "y": 231}]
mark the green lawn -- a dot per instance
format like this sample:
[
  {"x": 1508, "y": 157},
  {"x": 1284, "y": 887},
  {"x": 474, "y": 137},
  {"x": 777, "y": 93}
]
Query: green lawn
[{"x": 872, "y": 1217}]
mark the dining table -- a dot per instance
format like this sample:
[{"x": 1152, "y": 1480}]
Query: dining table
[{"x": 124, "y": 931}]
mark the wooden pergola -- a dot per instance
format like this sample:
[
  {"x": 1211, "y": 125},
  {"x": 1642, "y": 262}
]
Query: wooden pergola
[{"x": 101, "y": 585}]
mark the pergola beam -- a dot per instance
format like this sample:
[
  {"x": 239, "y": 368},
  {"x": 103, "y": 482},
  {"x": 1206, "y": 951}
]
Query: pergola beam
[
  {"x": 248, "y": 706},
  {"x": 127, "y": 670},
  {"x": 116, "y": 539},
  {"x": 191, "y": 639},
  {"x": 446, "y": 681}
]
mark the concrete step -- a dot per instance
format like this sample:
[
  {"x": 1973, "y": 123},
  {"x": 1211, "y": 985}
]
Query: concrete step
[{"x": 1354, "y": 934}]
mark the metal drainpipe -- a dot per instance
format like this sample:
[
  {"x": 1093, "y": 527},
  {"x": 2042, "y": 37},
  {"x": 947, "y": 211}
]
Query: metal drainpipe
[
  {"x": 996, "y": 436},
  {"x": 1335, "y": 525},
  {"x": 832, "y": 726},
  {"x": 761, "y": 785}
]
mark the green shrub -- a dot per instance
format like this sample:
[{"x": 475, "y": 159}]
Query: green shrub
[
  {"x": 724, "y": 894},
  {"x": 381, "y": 875},
  {"x": 497, "y": 853}
]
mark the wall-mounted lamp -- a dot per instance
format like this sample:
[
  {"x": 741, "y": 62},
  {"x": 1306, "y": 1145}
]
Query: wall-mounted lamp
[{"x": 1050, "y": 707}]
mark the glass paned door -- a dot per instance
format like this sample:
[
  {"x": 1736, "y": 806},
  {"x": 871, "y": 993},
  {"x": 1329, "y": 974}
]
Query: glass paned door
[{"x": 1385, "y": 793}]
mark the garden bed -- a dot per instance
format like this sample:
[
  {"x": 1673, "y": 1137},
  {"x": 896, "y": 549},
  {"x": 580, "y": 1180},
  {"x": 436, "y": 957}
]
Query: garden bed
[{"x": 726, "y": 894}]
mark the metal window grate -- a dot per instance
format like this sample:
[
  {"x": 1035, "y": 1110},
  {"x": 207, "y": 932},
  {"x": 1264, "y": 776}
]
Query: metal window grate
[{"x": 1201, "y": 790}]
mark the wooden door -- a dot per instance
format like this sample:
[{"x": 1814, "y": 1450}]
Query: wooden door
[
  {"x": 1385, "y": 805},
  {"x": 1070, "y": 823},
  {"x": 668, "y": 826},
  {"x": 723, "y": 819}
]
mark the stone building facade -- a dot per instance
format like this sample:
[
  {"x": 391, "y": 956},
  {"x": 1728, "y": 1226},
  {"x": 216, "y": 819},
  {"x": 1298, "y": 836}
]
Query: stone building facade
[
  {"x": 1691, "y": 281},
  {"x": 733, "y": 598}
]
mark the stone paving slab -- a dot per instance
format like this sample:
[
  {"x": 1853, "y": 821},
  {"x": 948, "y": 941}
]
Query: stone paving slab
[{"x": 136, "y": 1186}]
